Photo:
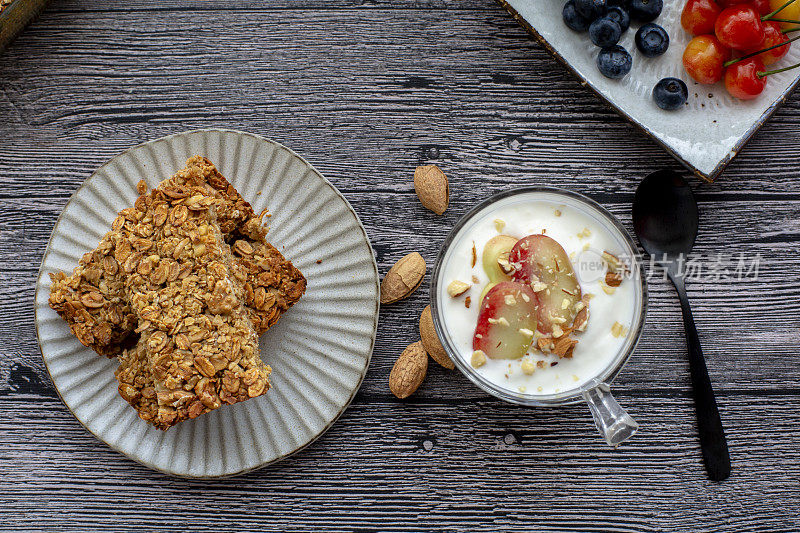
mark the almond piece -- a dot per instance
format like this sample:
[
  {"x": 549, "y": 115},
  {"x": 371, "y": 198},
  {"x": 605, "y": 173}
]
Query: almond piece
[
  {"x": 478, "y": 359},
  {"x": 409, "y": 371},
  {"x": 457, "y": 288},
  {"x": 614, "y": 264},
  {"x": 432, "y": 188},
  {"x": 613, "y": 279},
  {"x": 528, "y": 368},
  {"x": 581, "y": 319},
  {"x": 403, "y": 278},
  {"x": 545, "y": 344},
  {"x": 564, "y": 346},
  {"x": 430, "y": 341},
  {"x": 618, "y": 330}
]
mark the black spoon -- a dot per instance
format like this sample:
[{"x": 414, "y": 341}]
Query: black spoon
[{"x": 665, "y": 220}]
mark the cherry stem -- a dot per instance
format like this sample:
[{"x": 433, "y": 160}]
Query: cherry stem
[
  {"x": 753, "y": 54},
  {"x": 790, "y": 31},
  {"x": 785, "y": 20},
  {"x": 770, "y": 15},
  {"x": 784, "y": 69}
]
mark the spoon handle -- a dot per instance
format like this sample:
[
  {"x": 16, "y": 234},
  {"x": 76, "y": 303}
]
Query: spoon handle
[{"x": 712, "y": 436}]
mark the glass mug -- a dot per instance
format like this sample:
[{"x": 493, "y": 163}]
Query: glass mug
[{"x": 612, "y": 420}]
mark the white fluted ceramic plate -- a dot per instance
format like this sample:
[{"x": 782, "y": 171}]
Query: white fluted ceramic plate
[
  {"x": 319, "y": 350},
  {"x": 705, "y": 135}
]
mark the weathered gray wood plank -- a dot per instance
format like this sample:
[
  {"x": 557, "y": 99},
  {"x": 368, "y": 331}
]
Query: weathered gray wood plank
[
  {"x": 367, "y": 91},
  {"x": 472, "y": 465},
  {"x": 426, "y": 93}
]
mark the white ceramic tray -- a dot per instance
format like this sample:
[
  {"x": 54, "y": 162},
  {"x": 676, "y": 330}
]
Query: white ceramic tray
[
  {"x": 319, "y": 350},
  {"x": 708, "y": 133}
]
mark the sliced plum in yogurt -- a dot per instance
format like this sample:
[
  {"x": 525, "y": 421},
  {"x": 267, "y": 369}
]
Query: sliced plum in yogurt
[
  {"x": 542, "y": 262},
  {"x": 495, "y": 261},
  {"x": 496, "y": 254},
  {"x": 506, "y": 321}
]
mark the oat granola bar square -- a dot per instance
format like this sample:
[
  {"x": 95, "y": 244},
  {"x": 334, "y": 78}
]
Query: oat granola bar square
[
  {"x": 92, "y": 299},
  {"x": 197, "y": 348}
]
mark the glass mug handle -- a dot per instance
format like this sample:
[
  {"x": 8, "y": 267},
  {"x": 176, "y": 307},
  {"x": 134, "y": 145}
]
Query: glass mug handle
[{"x": 614, "y": 423}]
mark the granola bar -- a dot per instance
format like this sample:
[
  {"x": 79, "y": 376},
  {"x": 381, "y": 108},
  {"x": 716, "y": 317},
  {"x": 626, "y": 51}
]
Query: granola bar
[
  {"x": 93, "y": 302},
  {"x": 198, "y": 349}
]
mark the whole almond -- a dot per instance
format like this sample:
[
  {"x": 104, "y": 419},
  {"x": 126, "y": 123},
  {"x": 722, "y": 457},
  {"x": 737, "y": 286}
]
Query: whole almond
[
  {"x": 432, "y": 188},
  {"x": 408, "y": 371},
  {"x": 403, "y": 278},
  {"x": 430, "y": 341}
]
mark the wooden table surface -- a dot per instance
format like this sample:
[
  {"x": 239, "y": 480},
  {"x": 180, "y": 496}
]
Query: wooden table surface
[{"x": 367, "y": 90}]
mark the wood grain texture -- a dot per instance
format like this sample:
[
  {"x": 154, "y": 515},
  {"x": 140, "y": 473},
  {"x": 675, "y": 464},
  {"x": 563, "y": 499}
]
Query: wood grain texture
[{"x": 366, "y": 91}]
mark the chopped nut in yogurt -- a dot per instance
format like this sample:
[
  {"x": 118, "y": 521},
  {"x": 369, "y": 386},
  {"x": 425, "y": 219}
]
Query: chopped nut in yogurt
[
  {"x": 478, "y": 359},
  {"x": 613, "y": 279},
  {"x": 457, "y": 288},
  {"x": 528, "y": 368},
  {"x": 612, "y": 260},
  {"x": 618, "y": 330},
  {"x": 499, "y": 224},
  {"x": 504, "y": 264}
]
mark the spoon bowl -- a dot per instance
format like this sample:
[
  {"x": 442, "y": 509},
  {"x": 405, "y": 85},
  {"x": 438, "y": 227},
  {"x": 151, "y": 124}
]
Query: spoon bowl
[{"x": 665, "y": 215}]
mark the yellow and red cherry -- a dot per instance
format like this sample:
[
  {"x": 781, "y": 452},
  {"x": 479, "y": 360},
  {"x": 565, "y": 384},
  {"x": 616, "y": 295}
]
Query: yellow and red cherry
[
  {"x": 704, "y": 59},
  {"x": 789, "y": 12},
  {"x": 739, "y": 27},
  {"x": 773, "y": 37},
  {"x": 745, "y": 80},
  {"x": 762, "y": 6},
  {"x": 698, "y": 16}
]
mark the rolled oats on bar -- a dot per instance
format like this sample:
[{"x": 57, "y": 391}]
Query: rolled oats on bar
[
  {"x": 93, "y": 302},
  {"x": 197, "y": 348}
]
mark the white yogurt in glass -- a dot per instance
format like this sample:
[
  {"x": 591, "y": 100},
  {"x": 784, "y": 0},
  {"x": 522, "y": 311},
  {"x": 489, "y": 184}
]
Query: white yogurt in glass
[{"x": 584, "y": 233}]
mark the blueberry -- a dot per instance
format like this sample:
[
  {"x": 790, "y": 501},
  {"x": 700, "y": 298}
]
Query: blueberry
[
  {"x": 591, "y": 9},
  {"x": 573, "y": 19},
  {"x": 652, "y": 40},
  {"x": 614, "y": 62},
  {"x": 621, "y": 16},
  {"x": 645, "y": 10},
  {"x": 670, "y": 93},
  {"x": 604, "y": 32}
]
